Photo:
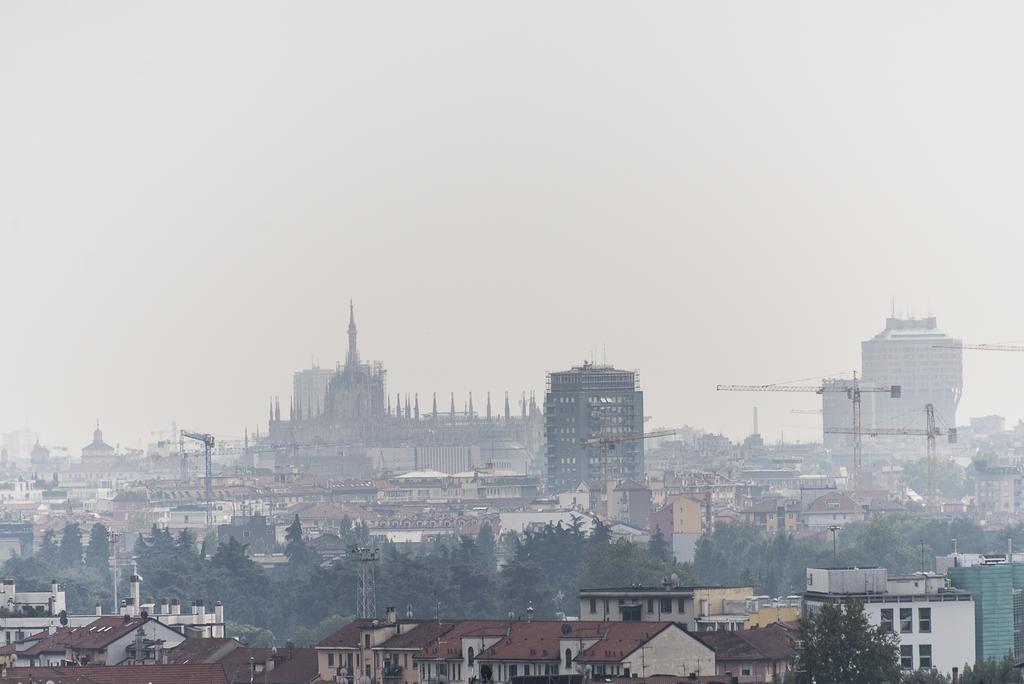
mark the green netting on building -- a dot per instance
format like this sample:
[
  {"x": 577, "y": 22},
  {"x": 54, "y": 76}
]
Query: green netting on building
[{"x": 993, "y": 589}]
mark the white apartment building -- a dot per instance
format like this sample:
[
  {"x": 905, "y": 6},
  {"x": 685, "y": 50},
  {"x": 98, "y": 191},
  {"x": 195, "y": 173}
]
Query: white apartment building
[{"x": 934, "y": 623}]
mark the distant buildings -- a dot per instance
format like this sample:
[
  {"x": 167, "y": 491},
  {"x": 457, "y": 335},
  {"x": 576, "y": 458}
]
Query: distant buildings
[
  {"x": 587, "y": 401},
  {"x": 905, "y": 353},
  {"x": 342, "y": 423}
]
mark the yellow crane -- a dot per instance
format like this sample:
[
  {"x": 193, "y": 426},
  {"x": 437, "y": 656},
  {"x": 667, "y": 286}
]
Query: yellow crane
[
  {"x": 931, "y": 431},
  {"x": 853, "y": 392},
  {"x": 607, "y": 442}
]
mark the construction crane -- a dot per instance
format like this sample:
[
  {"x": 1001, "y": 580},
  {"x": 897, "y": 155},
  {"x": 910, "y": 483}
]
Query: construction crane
[
  {"x": 931, "y": 431},
  {"x": 208, "y": 442},
  {"x": 853, "y": 392},
  {"x": 981, "y": 347},
  {"x": 607, "y": 442}
]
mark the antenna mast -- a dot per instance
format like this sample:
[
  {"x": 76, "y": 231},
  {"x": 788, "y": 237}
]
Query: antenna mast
[{"x": 366, "y": 590}]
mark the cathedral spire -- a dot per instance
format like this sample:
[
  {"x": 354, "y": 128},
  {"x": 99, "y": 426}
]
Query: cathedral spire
[
  {"x": 469, "y": 411},
  {"x": 488, "y": 407},
  {"x": 416, "y": 406},
  {"x": 352, "y": 360},
  {"x": 453, "y": 407},
  {"x": 508, "y": 413}
]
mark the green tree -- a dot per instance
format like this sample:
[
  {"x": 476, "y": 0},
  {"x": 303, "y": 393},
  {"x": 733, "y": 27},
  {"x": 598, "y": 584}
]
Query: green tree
[
  {"x": 659, "y": 547},
  {"x": 71, "y": 546},
  {"x": 49, "y": 552},
  {"x": 97, "y": 553},
  {"x": 839, "y": 646},
  {"x": 991, "y": 671},
  {"x": 300, "y": 556}
]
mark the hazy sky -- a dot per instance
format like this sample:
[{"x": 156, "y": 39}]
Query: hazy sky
[{"x": 713, "y": 192}]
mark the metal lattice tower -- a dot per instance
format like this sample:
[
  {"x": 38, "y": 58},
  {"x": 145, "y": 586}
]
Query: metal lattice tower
[{"x": 366, "y": 590}]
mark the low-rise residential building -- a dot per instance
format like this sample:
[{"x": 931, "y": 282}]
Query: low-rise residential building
[
  {"x": 773, "y": 515},
  {"x": 758, "y": 655},
  {"x": 934, "y": 621},
  {"x": 407, "y": 651},
  {"x": 833, "y": 508},
  {"x": 697, "y": 608}
]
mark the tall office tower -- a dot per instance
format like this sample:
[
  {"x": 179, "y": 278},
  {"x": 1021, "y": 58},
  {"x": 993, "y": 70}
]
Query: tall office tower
[
  {"x": 906, "y": 354},
  {"x": 587, "y": 401}
]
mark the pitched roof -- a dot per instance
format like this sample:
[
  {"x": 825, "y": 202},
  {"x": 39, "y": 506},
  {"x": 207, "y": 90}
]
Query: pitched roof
[
  {"x": 347, "y": 636},
  {"x": 120, "y": 674},
  {"x": 450, "y": 646},
  {"x": 774, "y": 642},
  {"x": 201, "y": 651},
  {"x": 289, "y": 665},
  {"x": 834, "y": 502},
  {"x": 620, "y": 639},
  {"x": 418, "y": 637},
  {"x": 93, "y": 636},
  {"x": 527, "y": 641}
]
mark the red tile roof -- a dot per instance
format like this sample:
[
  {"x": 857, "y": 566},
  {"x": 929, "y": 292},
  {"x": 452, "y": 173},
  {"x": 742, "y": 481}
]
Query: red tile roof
[
  {"x": 94, "y": 636},
  {"x": 120, "y": 674},
  {"x": 347, "y": 636},
  {"x": 775, "y": 642},
  {"x": 621, "y": 639}
]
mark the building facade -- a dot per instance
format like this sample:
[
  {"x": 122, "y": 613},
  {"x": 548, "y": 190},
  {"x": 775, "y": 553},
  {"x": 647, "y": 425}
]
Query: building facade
[
  {"x": 925, "y": 362},
  {"x": 588, "y": 401},
  {"x": 932, "y": 620}
]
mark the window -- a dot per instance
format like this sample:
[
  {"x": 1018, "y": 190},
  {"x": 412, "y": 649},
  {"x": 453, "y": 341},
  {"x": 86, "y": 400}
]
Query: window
[
  {"x": 631, "y": 614},
  {"x": 924, "y": 656},
  {"x": 366, "y": 641},
  {"x": 593, "y": 605},
  {"x": 745, "y": 670},
  {"x": 650, "y": 605},
  {"x": 666, "y": 605},
  {"x": 470, "y": 656},
  {"x": 906, "y": 620},
  {"x": 907, "y": 657},
  {"x": 886, "y": 620},
  {"x": 681, "y": 608},
  {"x": 568, "y": 658},
  {"x": 330, "y": 660},
  {"x": 513, "y": 671},
  {"x": 924, "y": 620}
]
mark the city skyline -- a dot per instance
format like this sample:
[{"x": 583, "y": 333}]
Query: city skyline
[
  {"x": 180, "y": 245},
  {"x": 774, "y": 408}
]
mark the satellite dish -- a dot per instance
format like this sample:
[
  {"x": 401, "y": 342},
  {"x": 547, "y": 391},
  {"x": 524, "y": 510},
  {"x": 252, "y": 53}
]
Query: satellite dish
[
  {"x": 144, "y": 614},
  {"x": 674, "y": 578},
  {"x": 49, "y": 681}
]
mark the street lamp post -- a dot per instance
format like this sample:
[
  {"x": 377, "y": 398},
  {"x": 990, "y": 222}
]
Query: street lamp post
[{"x": 835, "y": 549}]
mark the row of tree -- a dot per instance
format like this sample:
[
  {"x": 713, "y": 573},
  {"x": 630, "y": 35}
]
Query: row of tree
[
  {"x": 461, "y": 576},
  {"x": 903, "y": 543}
]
